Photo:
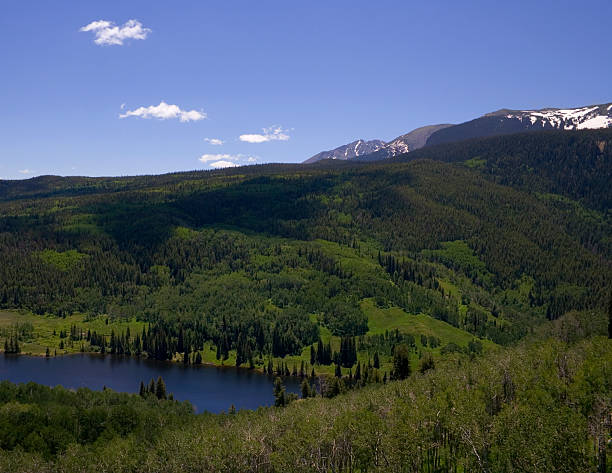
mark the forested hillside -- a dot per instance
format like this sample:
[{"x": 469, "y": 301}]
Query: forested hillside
[
  {"x": 575, "y": 164},
  {"x": 480, "y": 271},
  {"x": 298, "y": 248}
]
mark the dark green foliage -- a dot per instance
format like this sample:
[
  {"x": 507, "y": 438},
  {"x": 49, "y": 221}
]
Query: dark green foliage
[
  {"x": 575, "y": 164},
  {"x": 401, "y": 362},
  {"x": 280, "y": 396},
  {"x": 160, "y": 389},
  {"x": 46, "y": 420}
]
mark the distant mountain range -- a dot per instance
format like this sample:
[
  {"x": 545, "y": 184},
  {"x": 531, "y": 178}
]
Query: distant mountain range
[{"x": 501, "y": 122}]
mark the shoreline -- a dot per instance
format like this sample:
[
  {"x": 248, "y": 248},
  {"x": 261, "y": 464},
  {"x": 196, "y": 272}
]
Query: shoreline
[{"x": 147, "y": 359}]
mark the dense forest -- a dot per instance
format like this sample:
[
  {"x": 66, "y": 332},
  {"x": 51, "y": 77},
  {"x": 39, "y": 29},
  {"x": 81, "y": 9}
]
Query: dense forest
[{"x": 292, "y": 269}]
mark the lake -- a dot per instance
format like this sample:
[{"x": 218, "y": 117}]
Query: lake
[{"x": 208, "y": 388}]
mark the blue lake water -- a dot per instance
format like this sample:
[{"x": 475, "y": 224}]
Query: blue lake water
[{"x": 208, "y": 388}]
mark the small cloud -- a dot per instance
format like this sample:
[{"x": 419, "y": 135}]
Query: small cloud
[
  {"x": 214, "y": 141},
  {"x": 223, "y": 164},
  {"x": 25, "y": 171},
  {"x": 205, "y": 158},
  {"x": 122, "y": 106},
  {"x": 274, "y": 133},
  {"x": 165, "y": 111},
  {"x": 108, "y": 34},
  {"x": 217, "y": 161}
]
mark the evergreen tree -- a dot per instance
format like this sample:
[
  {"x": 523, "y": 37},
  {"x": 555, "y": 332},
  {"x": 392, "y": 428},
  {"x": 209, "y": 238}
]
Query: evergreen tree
[
  {"x": 401, "y": 362},
  {"x": 280, "y": 398},
  {"x": 376, "y": 361},
  {"x": 160, "y": 388},
  {"x": 305, "y": 388}
]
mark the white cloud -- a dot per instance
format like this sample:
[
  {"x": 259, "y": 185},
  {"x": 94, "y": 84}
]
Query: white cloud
[
  {"x": 165, "y": 111},
  {"x": 274, "y": 133},
  {"x": 25, "y": 171},
  {"x": 214, "y": 141},
  {"x": 223, "y": 164},
  {"x": 205, "y": 158},
  {"x": 217, "y": 161},
  {"x": 107, "y": 33}
]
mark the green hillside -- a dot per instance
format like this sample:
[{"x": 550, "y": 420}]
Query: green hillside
[{"x": 447, "y": 303}]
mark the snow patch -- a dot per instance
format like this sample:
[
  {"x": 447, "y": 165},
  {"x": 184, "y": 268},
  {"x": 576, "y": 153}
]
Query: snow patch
[{"x": 596, "y": 122}]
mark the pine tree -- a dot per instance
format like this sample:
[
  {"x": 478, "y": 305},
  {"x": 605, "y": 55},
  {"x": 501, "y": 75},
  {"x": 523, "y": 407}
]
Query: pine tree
[
  {"x": 305, "y": 388},
  {"x": 198, "y": 358},
  {"x": 401, "y": 362},
  {"x": 142, "y": 390},
  {"x": 280, "y": 399},
  {"x": 610, "y": 317},
  {"x": 338, "y": 371},
  {"x": 376, "y": 361},
  {"x": 160, "y": 388}
]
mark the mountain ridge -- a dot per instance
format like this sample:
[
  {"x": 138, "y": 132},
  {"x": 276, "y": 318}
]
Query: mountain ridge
[{"x": 500, "y": 122}]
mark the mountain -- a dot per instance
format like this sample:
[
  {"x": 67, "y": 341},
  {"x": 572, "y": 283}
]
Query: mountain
[
  {"x": 501, "y": 122},
  {"x": 349, "y": 151},
  {"x": 505, "y": 121},
  {"x": 377, "y": 149},
  {"x": 403, "y": 144}
]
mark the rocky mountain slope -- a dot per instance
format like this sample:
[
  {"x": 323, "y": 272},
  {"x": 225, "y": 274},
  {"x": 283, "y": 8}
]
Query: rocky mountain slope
[
  {"x": 348, "y": 151},
  {"x": 507, "y": 121},
  {"x": 501, "y": 122}
]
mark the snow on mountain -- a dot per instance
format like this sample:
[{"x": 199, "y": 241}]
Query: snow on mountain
[
  {"x": 349, "y": 151},
  {"x": 596, "y": 116},
  {"x": 501, "y": 122},
  {"x": 507, "y": 121},
  {"x": 375, "y": 150}
]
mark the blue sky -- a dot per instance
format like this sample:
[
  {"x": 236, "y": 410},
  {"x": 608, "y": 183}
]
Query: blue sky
[{"x": 314, "y": 75}]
